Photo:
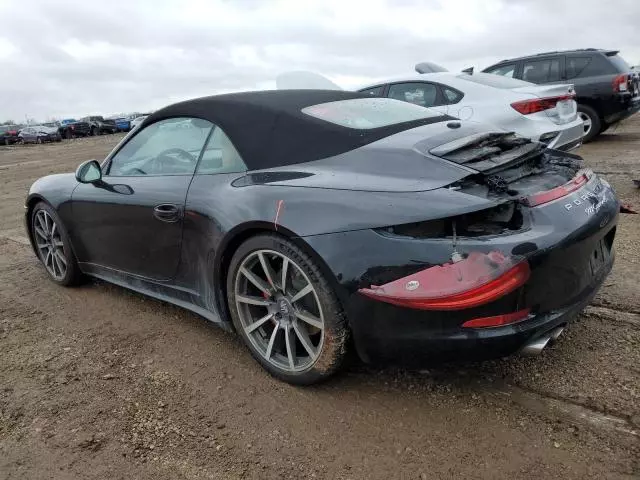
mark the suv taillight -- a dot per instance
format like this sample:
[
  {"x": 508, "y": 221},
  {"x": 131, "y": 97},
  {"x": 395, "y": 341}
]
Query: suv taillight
[
  {"x": 620, "y": 83},
  {"x": 527, "y": 107}
]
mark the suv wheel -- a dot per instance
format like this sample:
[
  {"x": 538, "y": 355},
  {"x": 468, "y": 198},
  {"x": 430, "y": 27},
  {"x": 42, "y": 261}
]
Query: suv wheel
[{"x": 590, "y": 121}]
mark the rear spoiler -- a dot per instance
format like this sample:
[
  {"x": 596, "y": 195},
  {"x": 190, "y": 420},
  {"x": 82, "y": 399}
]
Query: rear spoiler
[
  {"x": 611, "y": 53},
  {"x": 468, "y": 70}
]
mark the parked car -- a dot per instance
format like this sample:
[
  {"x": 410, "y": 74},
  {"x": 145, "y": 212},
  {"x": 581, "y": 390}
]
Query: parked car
[
  {"x": 123, "y": 123},
  {"x": 138, "y": 120},
  {"x": 543, "y": 113},
  {"x": 303, "y": 218},
  {"x": 35, "y": 135},
  {"x": 99, "y": 125},
  {"x": 53, "y": 134},
  {"x": 606, "y": 89},
  {"x": 9, "y": 134},
  {"x": 71, "y": 128}
]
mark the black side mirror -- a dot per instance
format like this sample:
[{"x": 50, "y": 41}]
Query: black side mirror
[{"x": 89, "y": 172}]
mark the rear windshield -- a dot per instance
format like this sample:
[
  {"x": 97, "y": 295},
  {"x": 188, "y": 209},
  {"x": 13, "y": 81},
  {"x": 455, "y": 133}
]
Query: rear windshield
[
  {"x": 619, "y": 63},
  {"x": 368, "y": 113},
  {"x": 496, "y": 81}
]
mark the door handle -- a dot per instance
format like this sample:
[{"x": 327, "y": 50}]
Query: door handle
[{"x": 167, "y": 212}]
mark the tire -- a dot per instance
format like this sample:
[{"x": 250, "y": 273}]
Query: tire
[
  {"x": 38, "y": 140},
  {"x": 604, "y": 128},
  {"x": 56, "y": 241},
  {"x": 67, "y": 134},
  {"x": 95, "y": 131},
  {"x": 592, "y": 122},
  {"x": 277, "y": 344}
]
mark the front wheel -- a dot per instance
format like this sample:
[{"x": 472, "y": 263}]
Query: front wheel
[
  {"x": 53, "y": 245},
  {"x": 286, "y": 311}
]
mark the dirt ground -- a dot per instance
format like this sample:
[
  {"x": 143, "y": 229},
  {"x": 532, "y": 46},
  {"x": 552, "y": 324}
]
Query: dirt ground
[{"x": 98, "y": 382}]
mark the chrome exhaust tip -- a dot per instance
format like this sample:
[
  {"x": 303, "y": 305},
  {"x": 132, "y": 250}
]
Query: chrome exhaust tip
[{"x": 536, "y": 346}]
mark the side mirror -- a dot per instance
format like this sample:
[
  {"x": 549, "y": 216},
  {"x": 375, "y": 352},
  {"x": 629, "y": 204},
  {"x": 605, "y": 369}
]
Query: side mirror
[{"x": 89, "y": 172}]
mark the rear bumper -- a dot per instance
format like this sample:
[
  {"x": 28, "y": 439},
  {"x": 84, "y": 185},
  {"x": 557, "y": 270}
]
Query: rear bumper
[
  {"x": 627, "y": 108},
  {"x": 397, "y": 336},
  {"x": 569, "y": 136}
]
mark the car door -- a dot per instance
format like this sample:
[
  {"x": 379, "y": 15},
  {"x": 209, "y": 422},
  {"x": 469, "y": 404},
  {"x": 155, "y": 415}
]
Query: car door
[
  {"x": 131, "y": 221},
  {"x": 27, "y": 135}
]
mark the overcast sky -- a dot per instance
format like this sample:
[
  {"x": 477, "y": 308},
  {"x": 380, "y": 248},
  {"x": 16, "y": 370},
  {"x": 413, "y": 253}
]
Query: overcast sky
[{"x": 72, "y": 58}]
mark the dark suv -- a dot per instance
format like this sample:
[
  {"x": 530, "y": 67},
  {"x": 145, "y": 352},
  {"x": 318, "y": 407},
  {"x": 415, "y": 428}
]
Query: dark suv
[{"x": 607, "y": 91}]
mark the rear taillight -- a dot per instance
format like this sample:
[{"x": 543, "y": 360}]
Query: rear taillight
[
  {"x": 527, "y": 107},
  {"x": 620, "y": 83},
  {"x": 498, "y": 320},
  {"x": 581, "y": 178},
  {"x": 476, "y": 280}
]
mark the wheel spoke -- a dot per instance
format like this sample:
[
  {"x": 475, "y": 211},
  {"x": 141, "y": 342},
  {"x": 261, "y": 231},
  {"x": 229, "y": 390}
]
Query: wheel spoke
[
  {"x": 290, "y": 341},
  {"x": 58, "y": 243},
  {"x": 268, "y": 271},
  {"x": 40, "y": 232},
  {"x": 42, "y": 246},
  {"x": 257, "y": 324},
  {"x": 53, "y": 228},
  {"x": 306, "y": 290},
  {"x": 43, "y": 222},
  {"x": 256, "y": 281},
  {"x": 253, "y": 300},
  {"x": 305, "y": 341},
  {"x": 61, "y": 258},
  {"x": 56, "y": 263},
  {"x": 272, "y": 340},
  {"x": 283, "y": 280},
  {"x": 310, "y": 319},
  {"x": 48, "y": 258}
]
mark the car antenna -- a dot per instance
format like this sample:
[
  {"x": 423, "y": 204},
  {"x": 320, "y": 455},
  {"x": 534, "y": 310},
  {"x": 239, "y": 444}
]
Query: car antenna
[{"x": 455, "y": 256}]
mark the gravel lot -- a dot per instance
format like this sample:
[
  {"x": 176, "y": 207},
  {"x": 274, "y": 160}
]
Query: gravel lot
[{"x": 98, "y": 382}]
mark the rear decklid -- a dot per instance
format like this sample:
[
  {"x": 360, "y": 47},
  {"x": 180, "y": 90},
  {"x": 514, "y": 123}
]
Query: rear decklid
[
  {"x": 397, "y": 163},
  {"x": 556, "y": 102}
]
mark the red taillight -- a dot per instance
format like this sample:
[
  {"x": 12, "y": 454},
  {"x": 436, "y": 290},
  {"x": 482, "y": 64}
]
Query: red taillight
[
  {"x": 476, "y": 280},
  {"x": 498, "y": 320},
  {"x": 620, "y": 83},
  {"x": 527, "y": 107},
  {"x": 576, "y": 182}
]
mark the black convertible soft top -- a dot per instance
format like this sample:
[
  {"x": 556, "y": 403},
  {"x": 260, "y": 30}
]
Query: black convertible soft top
[{"x": 269, "y": 129}]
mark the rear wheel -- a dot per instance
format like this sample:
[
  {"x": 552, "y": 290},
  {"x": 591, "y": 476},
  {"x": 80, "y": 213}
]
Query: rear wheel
[
  {"x": 590, "y": 122},
  {"x": 286, "y": 311},
  {"x": 53, "y": 245},
  {"x": 38, "y": 140}
]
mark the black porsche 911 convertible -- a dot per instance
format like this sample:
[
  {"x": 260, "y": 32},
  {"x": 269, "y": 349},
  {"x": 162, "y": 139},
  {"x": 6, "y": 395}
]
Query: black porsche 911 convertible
[{"x": 303, "y": 218}]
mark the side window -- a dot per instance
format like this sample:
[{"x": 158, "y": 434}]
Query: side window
[
  {"x": 220, "y": 156},
  {"x": 167, "y": 147},
  {"x": 450, "y": 95},
  {"x": 420, "y": 93},
  {"x": 541, "y": 71},
  {"x": 374, "y": 92},
  {"x": 504, "y": 70},
  {"x": 576, "y": 65}
]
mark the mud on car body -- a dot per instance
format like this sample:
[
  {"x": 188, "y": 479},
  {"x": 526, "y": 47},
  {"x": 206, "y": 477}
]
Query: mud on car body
[{"x": 299, "y": 218}]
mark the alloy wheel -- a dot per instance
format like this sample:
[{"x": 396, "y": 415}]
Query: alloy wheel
[
  {"x": 279, "y": 310},
  {"x": 586, "y": 122},
  {"x": 50, "y": 245}
]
